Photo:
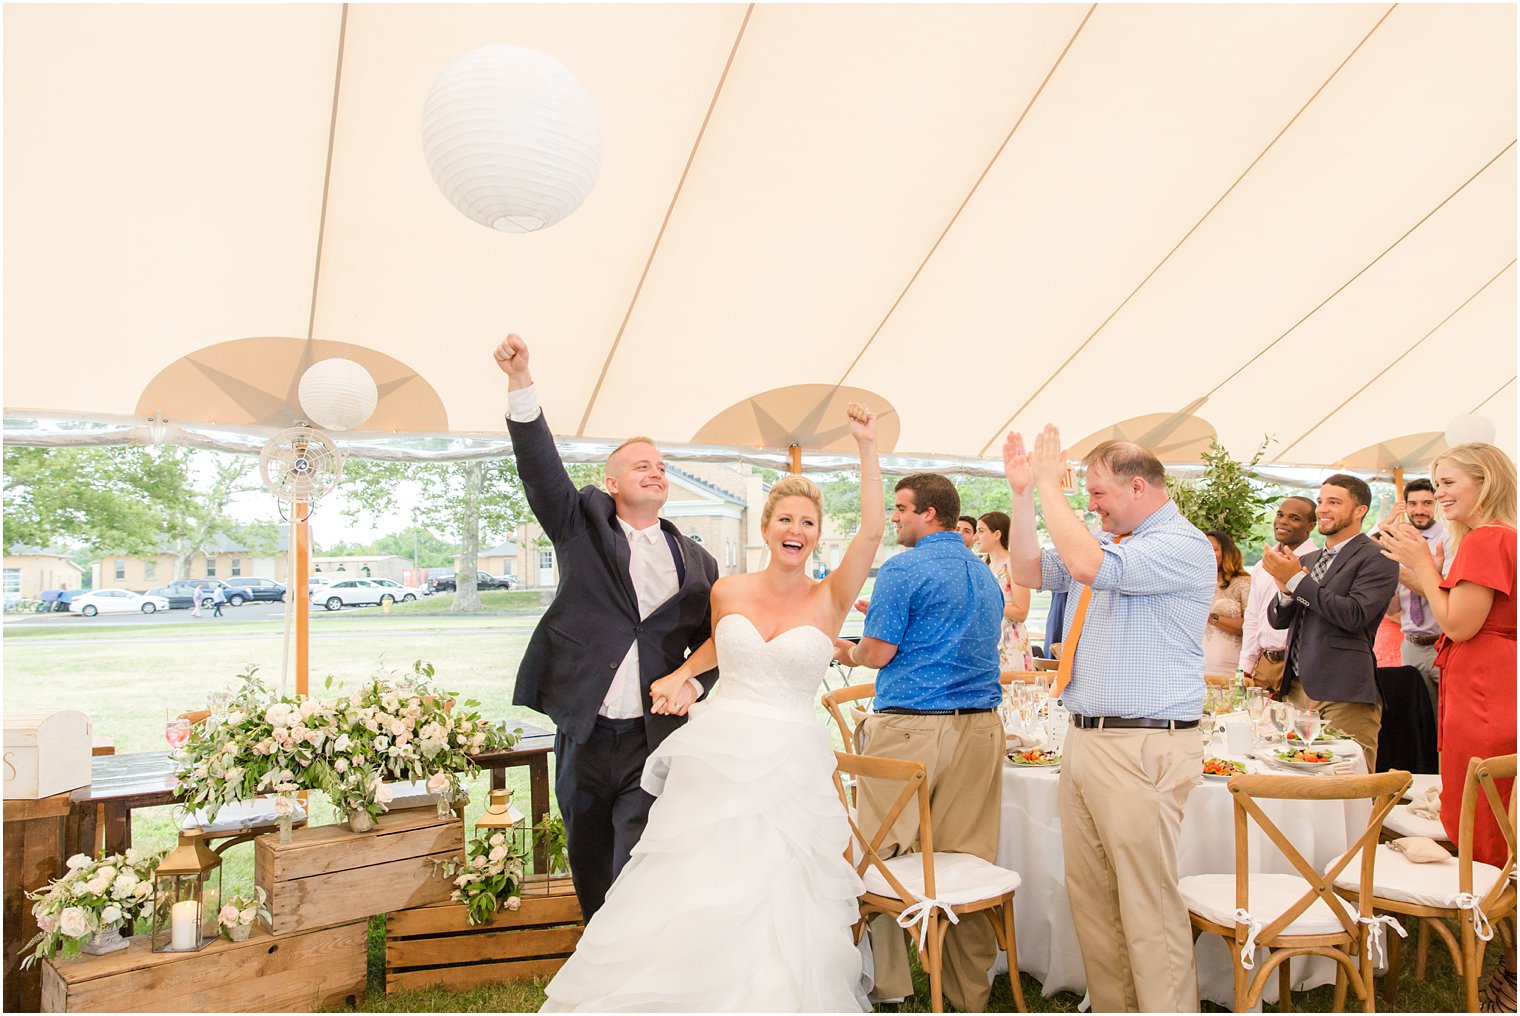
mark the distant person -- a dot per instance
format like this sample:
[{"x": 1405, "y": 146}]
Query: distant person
[
  {"x": 992, "y": 543},
  {"x": 1221, "y": 639},
  {"x": 966, "y": 526},
  {"x": 1262, "y": 647},
  {"x": 366, "y": 571},
  {"x": 218, "y": 598},
  {"x": 1417, "y": 621}
]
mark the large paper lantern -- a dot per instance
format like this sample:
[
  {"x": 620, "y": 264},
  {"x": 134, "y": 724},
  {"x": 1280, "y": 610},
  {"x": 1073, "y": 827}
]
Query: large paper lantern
[
  {"x": 511, "y": 138},
  {"x": 338, "y": 394},
  {"x": 1469, "y": 428}
]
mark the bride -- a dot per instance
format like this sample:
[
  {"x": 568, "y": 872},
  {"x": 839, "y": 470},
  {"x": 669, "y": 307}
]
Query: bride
[{"x": 738, "y": 896}]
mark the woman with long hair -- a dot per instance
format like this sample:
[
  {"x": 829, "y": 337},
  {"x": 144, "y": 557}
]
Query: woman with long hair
[
  {"x": 1221, "y": 637},
  {"x": 992, "y": 543},
  {"x": 1475, "y": 606}
]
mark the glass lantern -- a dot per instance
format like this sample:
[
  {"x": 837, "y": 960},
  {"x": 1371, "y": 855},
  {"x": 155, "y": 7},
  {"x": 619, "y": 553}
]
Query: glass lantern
[
  {"x": 187, "y": 895},
  {"x": 501, "y": 815}
]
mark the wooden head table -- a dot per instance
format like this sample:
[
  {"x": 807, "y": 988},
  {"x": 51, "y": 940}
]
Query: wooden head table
[{"x": 120, "y": 784}]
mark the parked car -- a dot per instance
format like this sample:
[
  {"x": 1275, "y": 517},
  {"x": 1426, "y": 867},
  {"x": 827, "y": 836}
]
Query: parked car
[
  {"x": 446, "y": 582},
  {"x": 405, "y": 594},
  {"x": 352, "y": 593},
  {"x": 179, "y": 597},
  {"x": 202, "y": 589},
  {"x": 256, "y": 588},
  {"x": 116, "y": 601}
]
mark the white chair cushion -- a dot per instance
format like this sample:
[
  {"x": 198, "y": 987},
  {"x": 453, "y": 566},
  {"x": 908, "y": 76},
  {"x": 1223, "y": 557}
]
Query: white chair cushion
[
  {"x": 1403, "y": 822},
  {"x": 1421, "y": 782},
  {"x": 958, "y": 878},
  {"x": 1395, "y": 877},
  {"x": 1212, "y": 897},
  {"x": 240, "y": 817}
]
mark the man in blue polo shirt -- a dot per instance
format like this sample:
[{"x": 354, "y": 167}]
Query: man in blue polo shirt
[{"x": 932, "y": 634}]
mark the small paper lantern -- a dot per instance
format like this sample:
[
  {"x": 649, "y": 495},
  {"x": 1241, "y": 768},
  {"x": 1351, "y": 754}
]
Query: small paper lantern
[
  {"x": 511, "y": 138},
  {"x": 338, "y": 394},
  {"x": 1469, "y": 428},
  {"x": 187, "y": 893}
]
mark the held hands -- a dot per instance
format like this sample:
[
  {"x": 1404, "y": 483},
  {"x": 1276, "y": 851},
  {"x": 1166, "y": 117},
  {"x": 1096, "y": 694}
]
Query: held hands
[
  {"x": 863, "y": 605},
  {"x": 862, "y": 423},
  {"x": 512, "y": 356},
  {"x": 672, "y": 695},
  {"x": 844, "y": 652}
]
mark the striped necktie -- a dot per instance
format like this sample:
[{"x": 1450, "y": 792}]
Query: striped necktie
[{"x": 1321, "y": 566}]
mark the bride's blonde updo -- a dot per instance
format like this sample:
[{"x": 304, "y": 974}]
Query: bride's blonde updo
[{"x": 791, "y": 486}]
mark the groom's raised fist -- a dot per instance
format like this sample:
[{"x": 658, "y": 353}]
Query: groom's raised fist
[{"x": 512, "y": 355}]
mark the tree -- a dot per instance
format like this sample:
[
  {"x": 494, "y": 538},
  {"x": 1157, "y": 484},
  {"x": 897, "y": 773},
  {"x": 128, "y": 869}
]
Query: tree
[
  {"x": 1226, "y": 497},
  {"x": 469, "y": 501},
  {"x": 106, "y": 499},
  {"x": 207, "y": 514}
]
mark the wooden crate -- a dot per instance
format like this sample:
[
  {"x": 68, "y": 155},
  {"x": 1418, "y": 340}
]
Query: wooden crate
[
  {"x": 436, "y": 944},
  {"x": 303, "y": 972},
  {"x": 329, "y": 875}
]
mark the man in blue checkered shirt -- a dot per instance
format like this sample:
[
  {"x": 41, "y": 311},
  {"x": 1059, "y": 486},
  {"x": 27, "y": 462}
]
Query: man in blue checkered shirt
[{"x": 1139, "y": 597}]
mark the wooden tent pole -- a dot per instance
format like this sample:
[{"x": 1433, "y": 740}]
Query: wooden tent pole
[
  {"x": 795, "y": 451},
  {"x": 1398, "y": 483},
  {"x": 296, "y": 593}
]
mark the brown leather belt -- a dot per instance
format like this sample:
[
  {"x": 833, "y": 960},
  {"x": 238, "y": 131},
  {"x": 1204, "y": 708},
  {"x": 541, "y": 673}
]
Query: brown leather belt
[
  {"x": 1274, "y": 655},
  {"x": 1421, "y": 640}
]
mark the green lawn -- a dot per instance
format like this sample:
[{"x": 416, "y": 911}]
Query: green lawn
[{"x": 126, "y": 677}]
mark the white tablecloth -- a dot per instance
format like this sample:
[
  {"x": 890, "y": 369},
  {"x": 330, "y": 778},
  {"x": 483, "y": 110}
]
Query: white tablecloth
[{"x": 1030, "y": 843}]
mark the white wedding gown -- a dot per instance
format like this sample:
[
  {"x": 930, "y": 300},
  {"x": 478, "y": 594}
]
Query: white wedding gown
[{"x": 738, "y": 896}]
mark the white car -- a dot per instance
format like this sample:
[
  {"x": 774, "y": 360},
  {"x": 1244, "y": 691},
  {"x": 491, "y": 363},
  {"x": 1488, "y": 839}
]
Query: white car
[
  {"x": 405, "y": 594},
  {"x": 116, "y": 601},
  {"x": 352, "y": 593}
]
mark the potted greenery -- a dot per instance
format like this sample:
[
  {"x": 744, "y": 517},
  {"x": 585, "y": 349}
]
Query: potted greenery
[{"x": 1223, "y": 497}]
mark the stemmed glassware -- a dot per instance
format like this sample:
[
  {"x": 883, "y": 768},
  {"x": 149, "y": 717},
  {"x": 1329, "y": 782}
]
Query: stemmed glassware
[
  {"x": 176, "y": 730},
  {"x": 1256, "y": 703},
  {"x": 1281, "y": 717},
  {"x": 1308, "y": 724}
]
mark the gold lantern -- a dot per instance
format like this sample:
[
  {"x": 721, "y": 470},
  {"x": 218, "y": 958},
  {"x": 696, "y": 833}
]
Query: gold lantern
[
  {"x": 187, "y": 893},
  {"x": 501, "y": 814}
]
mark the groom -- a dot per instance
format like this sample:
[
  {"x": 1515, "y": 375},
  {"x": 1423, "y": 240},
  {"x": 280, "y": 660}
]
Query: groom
[{"x": 633, "y": 601}]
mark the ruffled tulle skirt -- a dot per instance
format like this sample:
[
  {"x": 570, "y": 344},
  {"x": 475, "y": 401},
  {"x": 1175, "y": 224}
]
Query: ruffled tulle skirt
[{"x": 737, "y": 897}]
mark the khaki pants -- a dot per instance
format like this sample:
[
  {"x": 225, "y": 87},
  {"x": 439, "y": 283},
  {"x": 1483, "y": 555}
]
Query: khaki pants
[
  {"x": 1122, "y": 793},
  {"x": 963, "y": 756},
  {"x": 1362, "y": 720},
  {"x": 1423, "y": 659},
  {"x": 1267, "y": 674}
]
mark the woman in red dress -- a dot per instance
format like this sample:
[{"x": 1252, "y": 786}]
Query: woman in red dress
[{"x": 1475, "y": 605}]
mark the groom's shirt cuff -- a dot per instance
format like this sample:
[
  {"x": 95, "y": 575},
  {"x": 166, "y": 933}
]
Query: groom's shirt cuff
[{"x": 522, "y": 405}]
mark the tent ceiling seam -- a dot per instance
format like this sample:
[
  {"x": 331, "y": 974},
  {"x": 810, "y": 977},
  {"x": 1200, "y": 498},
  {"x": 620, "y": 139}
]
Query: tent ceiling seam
[
  {"x": 1495, "y": 395},
  {"x": 332, "y": 134},
  {"x": 1340, "y": 289},
  {"x": 654, "y": 250},
  {"x": 1389, "y": 366},
  {"x": 955, "y": 216},
  {"x": 1188, "y": 235}
]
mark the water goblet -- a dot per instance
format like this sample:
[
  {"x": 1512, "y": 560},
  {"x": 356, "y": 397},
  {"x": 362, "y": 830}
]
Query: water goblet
[
  {"x": 177, "y": 731},
  {"x": 1308, "y": 723}
]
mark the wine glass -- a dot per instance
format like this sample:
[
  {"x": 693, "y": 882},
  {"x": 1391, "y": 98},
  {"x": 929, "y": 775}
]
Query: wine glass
[
  {"x": 1028, "y": 707},
  {"x": 1281, "y": 717},
  {"x": 177, "y": 731},
  {"x": 1308, "y": 723}
]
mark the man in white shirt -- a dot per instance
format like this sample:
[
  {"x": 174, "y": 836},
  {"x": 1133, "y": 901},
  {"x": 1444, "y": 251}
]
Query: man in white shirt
[
  {"x": 1262, "y": 647},
  {"x": 1417, "y": 620},
  {"x": 633, "y": 602}
]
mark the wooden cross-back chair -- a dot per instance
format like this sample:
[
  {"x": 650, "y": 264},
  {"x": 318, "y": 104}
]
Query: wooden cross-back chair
[
  {"x": 1299, "y": 914},
  {"x": 1007, "y": 677},
  {"x": 921, "y": 890},
  {"x": 847, "y": 715},
  {"x": 1478, "y": 897}
]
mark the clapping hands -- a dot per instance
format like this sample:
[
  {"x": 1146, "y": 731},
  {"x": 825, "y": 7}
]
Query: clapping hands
[
  {"x": 1419, "y": 564},
  {"x": 1043, "y": 464}
]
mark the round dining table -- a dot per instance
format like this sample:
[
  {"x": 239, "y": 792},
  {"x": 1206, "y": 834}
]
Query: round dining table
[{"x": 1030, "y": 843}]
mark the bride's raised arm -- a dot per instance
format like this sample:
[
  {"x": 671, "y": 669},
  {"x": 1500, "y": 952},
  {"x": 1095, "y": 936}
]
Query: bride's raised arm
[{"x": 845, "y": 581}]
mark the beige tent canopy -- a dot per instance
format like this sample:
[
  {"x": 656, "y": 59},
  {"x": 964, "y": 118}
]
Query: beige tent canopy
[{"x": 1166, "y": 222}]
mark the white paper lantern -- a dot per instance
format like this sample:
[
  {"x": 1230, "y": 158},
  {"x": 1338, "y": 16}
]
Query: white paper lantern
[
  {"x": 512, "y": 138},
  {"x": 338, "y": 394},
  {"x": 1469, "y": 428}
]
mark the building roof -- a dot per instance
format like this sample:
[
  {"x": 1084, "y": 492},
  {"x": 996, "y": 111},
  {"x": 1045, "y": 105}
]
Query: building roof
[
  {"x": 704, "y": 485},
  {"x": 508, "y": 549},
  {"x": 21, "y": 550}
]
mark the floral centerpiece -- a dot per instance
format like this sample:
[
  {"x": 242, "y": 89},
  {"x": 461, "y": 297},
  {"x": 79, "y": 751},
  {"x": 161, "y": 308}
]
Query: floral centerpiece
[
  {"x": 393, "y": 728},
  {"x": 488, "y": 878},
  {"x": 240, "y": 910},
  {"x": 88, "y": 906}
]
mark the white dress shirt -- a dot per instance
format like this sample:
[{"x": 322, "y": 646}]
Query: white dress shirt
[
  {"x": 655, "y": 580},
  {"x": 1256, "y": 634},
  {"x": 1435, "y": 536}
]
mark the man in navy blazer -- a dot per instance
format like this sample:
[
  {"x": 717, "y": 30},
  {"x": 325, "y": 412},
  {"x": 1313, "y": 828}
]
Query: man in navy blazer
[
  {"x": 1331, "y": 602},
  {"x": 633, "y": 600}
]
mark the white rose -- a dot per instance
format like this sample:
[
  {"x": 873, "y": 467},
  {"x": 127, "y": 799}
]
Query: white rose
[
  {"x": 340, "y": 766},
  {"x": 309, "y": 706},
  {"x": 73, "y": 922},
  {"x": 126, "y": 883},
  {"x": 78, "y": 861},
  {"x": 227, "y": 916},
  {"x": 497, "y": 853},
  {"x": 79, "y": 889},
  {"x": 111, "y": 914},
  {"x": 133, "y": 855},
  {"x": 383, "y": 793},
  {"x": 398, "y": 728},
  {"x": 247, "y": 915},
  {"x": 342, "y": 743},
  {"x": 46, "y": 922},
  {"x": 234, "y": 717},
  {"x": 497, "y": 839},
  {"x": 478, "y": 861},
  {"x": 143, "y": 889},
  {"x": 513, "y": 902},
  {"x": 438, "y": 783}
]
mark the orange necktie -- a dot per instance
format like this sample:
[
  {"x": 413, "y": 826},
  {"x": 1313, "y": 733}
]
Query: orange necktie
[{"x": 1069, "y": 648}]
